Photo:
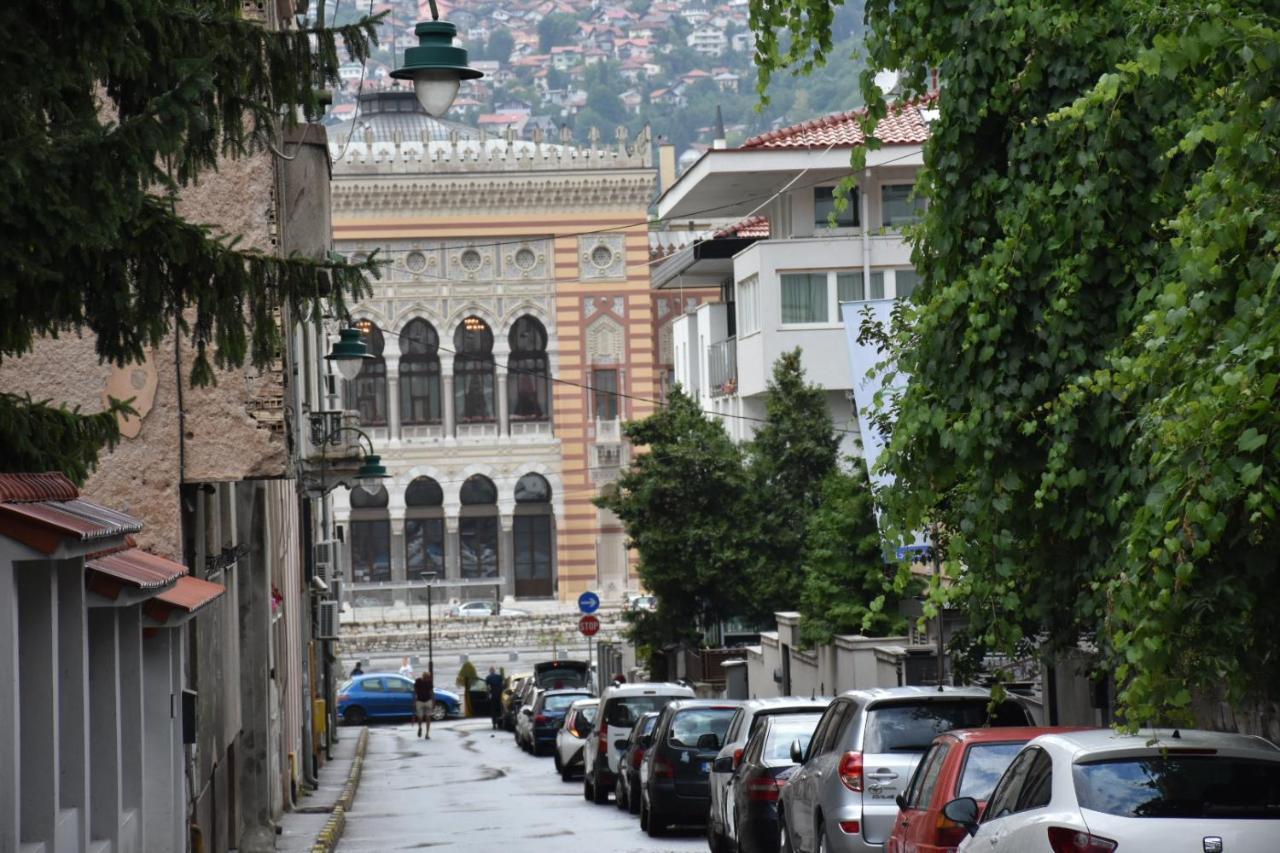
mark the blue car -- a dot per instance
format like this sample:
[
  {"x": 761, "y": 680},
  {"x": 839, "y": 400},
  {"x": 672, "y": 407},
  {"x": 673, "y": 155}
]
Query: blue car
[{"x": 388, "y": 695}]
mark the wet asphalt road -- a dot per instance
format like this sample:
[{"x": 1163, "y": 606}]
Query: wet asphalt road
[{"x": 470, "y": 788}]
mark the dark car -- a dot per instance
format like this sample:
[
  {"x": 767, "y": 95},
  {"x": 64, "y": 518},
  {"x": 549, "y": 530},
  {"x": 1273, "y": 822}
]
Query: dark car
[
  {"x": 562, "y": 675},
  {"x": 387, "y": 695},
  {"x": 674, "y": 783},
  {"x": 629, "y": 767},
  {"x": 547, "y": 713},
  {"x": 760, "y": 776},
  {"x": 620, "y": 706}
]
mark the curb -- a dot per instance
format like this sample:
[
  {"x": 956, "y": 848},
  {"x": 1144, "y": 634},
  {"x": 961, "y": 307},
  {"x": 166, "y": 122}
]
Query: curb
[{"x": 331, "y": 833}]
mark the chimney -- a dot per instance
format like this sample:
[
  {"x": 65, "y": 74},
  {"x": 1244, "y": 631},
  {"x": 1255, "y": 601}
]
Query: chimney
[
  {"x": 666, "y": 164},
  {"x": 719, "y": 142}
]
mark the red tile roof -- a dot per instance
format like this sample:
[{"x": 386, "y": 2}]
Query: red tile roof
[
  {"x": 190, "y": 594},
  {"x": 137, "y": 568},
  {"x": 40, "y": 510},
  {"x": 752, "y": 226},
  {"x": 904, "y": 125}
]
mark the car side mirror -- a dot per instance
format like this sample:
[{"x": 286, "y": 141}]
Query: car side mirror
[
  {"x": 708, "y": 740},
  {"x": 964, "y": 811},
  {"x": 797, "y": 751},
  {"x": 621, "y": 743},
  {"x": 646, "y": 741},
  {"x": 901, "y": 801},
  {"x": 723, "y": 764}
]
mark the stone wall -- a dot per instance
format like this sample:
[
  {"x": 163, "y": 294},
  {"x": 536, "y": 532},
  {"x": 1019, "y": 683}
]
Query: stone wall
[{"x": 406, "y": 628}]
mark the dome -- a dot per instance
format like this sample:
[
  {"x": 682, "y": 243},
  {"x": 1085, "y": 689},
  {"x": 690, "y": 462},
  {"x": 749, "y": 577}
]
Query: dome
[
  {"x": 397, "y": 110},
  {"x": 687, "y": 159}
]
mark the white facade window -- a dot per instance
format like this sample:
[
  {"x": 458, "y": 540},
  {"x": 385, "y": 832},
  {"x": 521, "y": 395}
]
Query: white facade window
[
  {"x": 824, "y": 204},
  {"x": 748, "y": 306},
  {"x": 804, "y": 297},
  {"x": 898, "y": 207},
  {"x": 905, "y": 282}
]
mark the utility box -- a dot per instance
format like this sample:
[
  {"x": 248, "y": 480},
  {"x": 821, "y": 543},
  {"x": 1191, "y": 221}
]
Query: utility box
[{"x": 735, "y": 679}]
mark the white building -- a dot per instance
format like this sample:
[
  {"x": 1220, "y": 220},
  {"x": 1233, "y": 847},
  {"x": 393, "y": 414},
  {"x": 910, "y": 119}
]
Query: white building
[
  {"x": 708, "y": 40},
  {"x": 784, "y": 272}
]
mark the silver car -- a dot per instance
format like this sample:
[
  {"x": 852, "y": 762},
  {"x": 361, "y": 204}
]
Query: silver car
[
  {"x": 721, "y": 822},
  {"x": 573, "y": 733},
  {"x": 842, "y": 799}
]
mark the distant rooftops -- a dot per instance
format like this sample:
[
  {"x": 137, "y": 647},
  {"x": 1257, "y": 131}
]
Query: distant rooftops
[{"x": 906, "y": 124}]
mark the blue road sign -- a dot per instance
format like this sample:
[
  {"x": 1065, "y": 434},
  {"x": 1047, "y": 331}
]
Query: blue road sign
[{"x": 588, "y": 602}]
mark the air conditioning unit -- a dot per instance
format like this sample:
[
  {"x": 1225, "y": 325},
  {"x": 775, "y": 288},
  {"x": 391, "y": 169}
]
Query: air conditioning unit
[
  {"x": 326, "y": 559},
  {"x": 335, "y": 591},
  {"x": 327, "y": 623}
]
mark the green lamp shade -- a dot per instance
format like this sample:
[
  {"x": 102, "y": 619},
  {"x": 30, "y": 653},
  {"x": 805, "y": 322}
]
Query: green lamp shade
[
  {"x": 371, "y": 473},
  {"x": 436, "y": 66},
  {"x": 349, "y": 353}
]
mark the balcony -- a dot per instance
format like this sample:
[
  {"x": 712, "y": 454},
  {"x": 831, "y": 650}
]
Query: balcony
[{"x": 722, "y": 367}]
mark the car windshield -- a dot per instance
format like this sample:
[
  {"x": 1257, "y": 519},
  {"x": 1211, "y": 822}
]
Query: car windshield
[
  {"x": 625, "y": 710},
  {"x": 690, "y": 724},
  {"x": 1180, "y": 786},
  {"x": 912, "y": 727},
  {"x": 557, "y": 679},
  {"x": 559, "y": 703},
  {"x": 983, "y": 766},
  {"x": 783, "y": 730}
]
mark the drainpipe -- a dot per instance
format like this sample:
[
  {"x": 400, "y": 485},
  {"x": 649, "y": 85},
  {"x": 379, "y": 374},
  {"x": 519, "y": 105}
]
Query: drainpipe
[{"x": 865, "y": 219}]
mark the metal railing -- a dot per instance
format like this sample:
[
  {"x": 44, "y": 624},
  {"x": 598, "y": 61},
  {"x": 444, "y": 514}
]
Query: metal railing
[{"x": 722, "y": 367}]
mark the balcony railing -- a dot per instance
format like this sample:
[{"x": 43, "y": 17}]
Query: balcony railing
[{"x": 722, "y": 367}]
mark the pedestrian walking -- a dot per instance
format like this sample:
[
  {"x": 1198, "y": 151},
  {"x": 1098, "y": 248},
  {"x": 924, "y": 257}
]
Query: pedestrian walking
[
  {"x": 405, "y": 669},
  {"x": 356, "y": 670},
  {"x": 496, "y": 682},
  {"x": 424, "y": 700}
]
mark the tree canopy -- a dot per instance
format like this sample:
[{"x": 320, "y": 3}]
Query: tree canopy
[
  {"x": 1094, "y": 352},
  {"x": 112, "y": 110}
]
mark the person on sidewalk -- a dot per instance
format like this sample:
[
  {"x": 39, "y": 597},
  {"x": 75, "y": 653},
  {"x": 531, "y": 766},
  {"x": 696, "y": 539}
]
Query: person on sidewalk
[
  {"x": 356, "y": 670},
  {"x": 424, "y": 700},
  {"x": 405, "y": 669},
  {"x": 496, "y": 682}
]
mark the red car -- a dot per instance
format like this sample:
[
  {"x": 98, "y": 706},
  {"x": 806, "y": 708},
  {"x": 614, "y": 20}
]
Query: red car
[{"x": 960, "y": 763}]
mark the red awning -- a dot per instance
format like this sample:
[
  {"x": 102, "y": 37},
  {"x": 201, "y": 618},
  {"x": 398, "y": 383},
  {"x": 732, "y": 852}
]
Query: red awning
[
  {"x": 190, "y": 594},
  {"x": 137, "y": 568},
  {"x": 40, "y": 510}
]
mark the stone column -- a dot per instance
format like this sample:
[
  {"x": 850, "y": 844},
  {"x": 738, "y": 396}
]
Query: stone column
[
  {"x": 504, "y": 418},
  {"x": 446, "y": 391},
  {"x": 506, "y": 554},
  {"x": 393, "y": 399},
  {"x": 452, "y": 561},
  {"x": 396, "y": 515}
]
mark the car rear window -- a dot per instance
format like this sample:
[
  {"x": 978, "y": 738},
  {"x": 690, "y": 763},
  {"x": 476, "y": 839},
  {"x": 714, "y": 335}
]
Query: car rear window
[
  {"x": 559, "y": 703},
  {"x": 1180, "y": 786},
  {"x": 785, "y": 729},
  {"x": 912, "y": 726},
  {"x": 625, "y": 710},
  {"x": 557, "y": 679},
  {"x": 589, "y": 713},
  {"x": 984, "y": 764},
  {"x": 690, "y": 724}
]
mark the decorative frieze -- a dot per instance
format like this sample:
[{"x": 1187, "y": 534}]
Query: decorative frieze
[{"x": 469, "y": 195}]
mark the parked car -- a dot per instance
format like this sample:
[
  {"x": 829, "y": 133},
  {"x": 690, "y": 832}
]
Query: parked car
[
  {"x": 545, "y": 717},
  {"x": 960, "y": 763},
  {"x": 761, "y": 772},
  {"x": 642, "y": 602},
  {"x": 620, "y": 706},
  {"x": 1099, "y": 790},
  {"x": 574, "y": 731},
  {"x": 524, "y": 720},
  {"x": 750, "y": 716},
  {"x": 482, "y": 609},
  {"x": 387, "y": 695},
  {"x": 674, "y": 776},
  {"x": 628, "y": 781},
  {"x": 510, "y": 700},
  {"x": 843, "y": 797},
  {"x": 562, "y": 674}
]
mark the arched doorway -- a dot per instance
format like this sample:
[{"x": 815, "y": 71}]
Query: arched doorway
[
  {"x": 424, "y": 529},
  {"x": 533, "y": 540},
  {"x": 370, "y": 536},
  {"x": 478, "y": 528}
]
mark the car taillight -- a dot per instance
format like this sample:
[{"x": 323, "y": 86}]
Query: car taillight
[
  {"x": 1064, "y": 840},
  {"x": 737, "y": 758},
  {"x": 851, "y": 771},
  {"x": 948, "y": 833},
  {"x": 764, "y": 789},
  {"x": 541, "y": 720},
  {"x": 662, "y": 768},
  {"x": 604, "y": 739},
  {"x": 342, "y": 697},
  {"x": 850, "y": 827},
  {"x": 637, "y": 758}
]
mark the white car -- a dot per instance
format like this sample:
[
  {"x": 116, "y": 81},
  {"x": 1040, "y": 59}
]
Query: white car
[
  {"x": 1097, "y": 791},
  {"x": 484, "y": 609},
  {"x": 572, "y": 735}
]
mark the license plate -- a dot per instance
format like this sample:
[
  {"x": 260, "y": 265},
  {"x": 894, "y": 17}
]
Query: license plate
[{"x": 704, "y": 767}]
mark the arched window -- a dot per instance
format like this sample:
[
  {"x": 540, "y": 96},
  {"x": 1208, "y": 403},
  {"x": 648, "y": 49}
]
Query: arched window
[
  {"x": 367, "y": 393},
  {"x": 473, "y": 372},
  {"x": 424, "y": 528},
  {"x": 531, "y": 537},
  {"x": 528, "y": 385},
  {"x": 478, "y": 528},
  {"x": 370, "y": 536},
  {"x": 419, "y": 374}
]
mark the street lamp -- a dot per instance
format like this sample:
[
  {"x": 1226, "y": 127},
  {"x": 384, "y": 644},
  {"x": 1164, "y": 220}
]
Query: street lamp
[
  {"x": 371, "y": 472},
  {"x": 431, "y": 660},
  {"x": 435, "y": 66},
  {"x": 349, "y": 354}
]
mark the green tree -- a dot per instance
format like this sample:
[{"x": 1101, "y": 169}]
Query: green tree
[
  {"x": 500, "y": 44},
  {"x": 682, "y": 505},
  {"x": 791, "y": 455},
  {"x": 844, "y": 589},
  {"x": 1094, "y": 353},
  {"x": 111, "y": 111},
  {"x": 556, "y": 30}
]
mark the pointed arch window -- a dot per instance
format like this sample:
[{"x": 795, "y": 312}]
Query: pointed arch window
[
  {"x": 367, "y": 393},
  {"x": 419, "y": 374},
  {"x": 478, "y": 528},
  {"x": 473, "y": 373},
  {"x": 370, "y": 536},
  {"x": 532, "y": 537},
  {"x": 528, "y": 372},
  {"x": 424, "y": 528}
]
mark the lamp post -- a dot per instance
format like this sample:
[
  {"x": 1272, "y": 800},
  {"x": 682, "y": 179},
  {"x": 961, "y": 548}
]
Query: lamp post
[
  {"x": 431, "y": 660},
  {"x": 435, "y": 66},
  {"x": 371, "y": 471},
  {"x": 349, "y": 354}
]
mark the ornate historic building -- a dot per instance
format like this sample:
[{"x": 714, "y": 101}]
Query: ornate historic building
[{"x": 513, "y": 330}]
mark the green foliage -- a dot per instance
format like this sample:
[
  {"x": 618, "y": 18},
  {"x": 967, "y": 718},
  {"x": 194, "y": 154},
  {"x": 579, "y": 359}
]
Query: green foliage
[
  {"x": 37, "y": 436},
  {"x": 556, "y": 30},
  {"x": 681, "y": 502},
  {"x": 1092, "y": 414},
  {"x": 844, "y": 588},
  {"x": 500, "y": 45},
  {"x": 110, "y": 109},
  {"x": 791, "y": 455}
]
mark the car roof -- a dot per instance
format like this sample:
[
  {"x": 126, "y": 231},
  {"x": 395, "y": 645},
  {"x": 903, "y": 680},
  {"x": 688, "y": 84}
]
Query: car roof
[
  {"x": 643, "y": 688},
  {"x": 777, "y": 703},
  {"x": 566, "y": 691},
  {"x": 365, "y": 675},
  {"x": 584, "y": 703},
  {"x": 1101, "y": 742},
  {"x": 930, "y": 693},
  {"x": 683, "y": 704},
  {"x": 1006, "y": 734}
]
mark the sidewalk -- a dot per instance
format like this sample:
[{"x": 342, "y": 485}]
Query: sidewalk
[{"x": 300, "y": 827}]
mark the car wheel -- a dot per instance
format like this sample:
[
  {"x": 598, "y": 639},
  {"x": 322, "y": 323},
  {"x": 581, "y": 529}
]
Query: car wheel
[
  {"x": 784, "y": 837},
  {"x": 354, "y": 716},
  {"x": 821, "y": 832},
  {"x": 587, "y": 794},
  {"x": 566, "y": 774},
  {"x": 657, "y": 824},
  {"x": 600, "y": 795},
  {"x": 559, "y": 766},
  {"x": 619, "y": 793},
  {"x": 438, "y": 711},
  {"x": 644, "y": 815},
  {"x": 633, "y": 802}
]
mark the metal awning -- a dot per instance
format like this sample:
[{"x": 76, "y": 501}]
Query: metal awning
[
  {"x": 135, "y": 567},
  {"x": 706, "y": 263}
]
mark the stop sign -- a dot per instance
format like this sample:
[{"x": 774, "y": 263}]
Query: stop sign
[{"x": 589, "y": 625}]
